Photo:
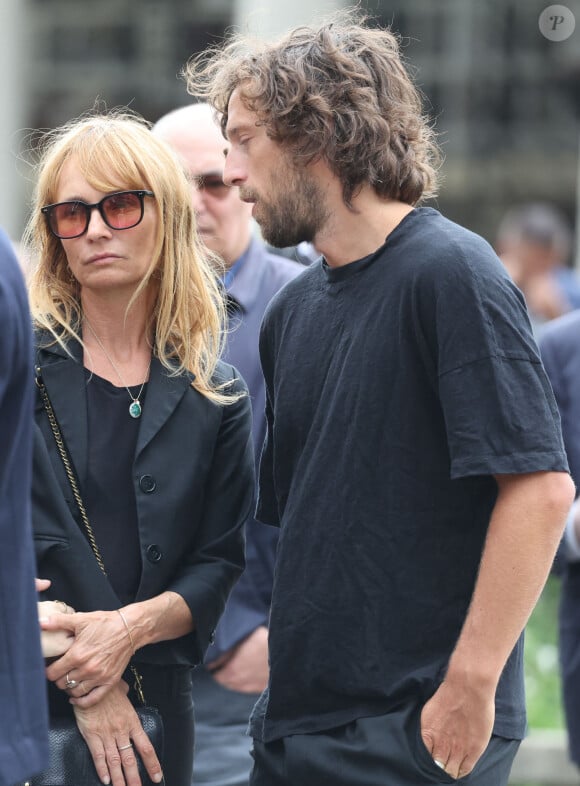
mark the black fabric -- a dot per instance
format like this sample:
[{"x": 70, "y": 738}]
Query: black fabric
[
  {"x": 109, "y": 496},
  {"x": 193, "y": 481},
  {"x": 373, "y": 751},
  {"x": 396, "y": 387}
]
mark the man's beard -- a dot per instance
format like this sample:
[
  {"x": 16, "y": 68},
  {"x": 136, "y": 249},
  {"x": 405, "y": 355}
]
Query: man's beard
[{"x": 297, "y": 214}]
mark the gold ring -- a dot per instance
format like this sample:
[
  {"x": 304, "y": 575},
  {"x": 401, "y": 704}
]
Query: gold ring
[{"x": 125, "y": 747}]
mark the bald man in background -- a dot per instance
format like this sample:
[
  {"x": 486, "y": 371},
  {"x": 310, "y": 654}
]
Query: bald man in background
[{"x": 236, "y": 666}]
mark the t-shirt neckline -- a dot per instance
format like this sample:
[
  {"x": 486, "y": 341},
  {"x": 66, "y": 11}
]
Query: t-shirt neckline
[{"x": 337, "y": 274}]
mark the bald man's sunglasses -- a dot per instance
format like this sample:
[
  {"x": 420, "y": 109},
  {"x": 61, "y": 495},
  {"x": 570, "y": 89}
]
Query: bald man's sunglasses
[{"x": 212, "y": 184}]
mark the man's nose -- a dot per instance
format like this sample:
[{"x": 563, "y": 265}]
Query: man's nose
[{"x": 234, "y": 171}]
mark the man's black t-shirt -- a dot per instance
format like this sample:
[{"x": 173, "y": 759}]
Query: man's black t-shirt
[{"x": 397, "y": 386}]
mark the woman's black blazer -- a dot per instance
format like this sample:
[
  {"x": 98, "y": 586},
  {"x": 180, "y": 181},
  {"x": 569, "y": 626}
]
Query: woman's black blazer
[{"x": 193, "y": 481}]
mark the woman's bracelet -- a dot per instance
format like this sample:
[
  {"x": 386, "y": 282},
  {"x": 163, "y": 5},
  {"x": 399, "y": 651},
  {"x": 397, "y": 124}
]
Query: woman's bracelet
[{"x": 127, "y": 628}]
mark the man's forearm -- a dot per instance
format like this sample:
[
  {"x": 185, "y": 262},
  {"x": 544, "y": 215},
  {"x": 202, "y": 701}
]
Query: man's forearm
[
  {"x": 523, "y": 535},
  {"x": 524, "y": 532}
]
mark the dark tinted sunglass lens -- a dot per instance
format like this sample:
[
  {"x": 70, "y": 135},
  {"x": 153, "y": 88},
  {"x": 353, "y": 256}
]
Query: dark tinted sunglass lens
[
  {"x": 123, "y": 211},
  {"x": 68, "y": 219},
  {"x": 215, "y": 185}
]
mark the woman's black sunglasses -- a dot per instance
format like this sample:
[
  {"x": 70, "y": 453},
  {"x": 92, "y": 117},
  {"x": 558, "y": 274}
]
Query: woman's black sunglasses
[{"x": 121, "y": 210}]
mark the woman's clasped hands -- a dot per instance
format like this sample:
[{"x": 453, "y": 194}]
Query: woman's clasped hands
[{"x": 89, "y": 653}]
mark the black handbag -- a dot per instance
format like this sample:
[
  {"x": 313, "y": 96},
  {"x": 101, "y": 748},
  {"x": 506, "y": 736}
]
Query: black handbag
[{"x": 70, "y": 761}]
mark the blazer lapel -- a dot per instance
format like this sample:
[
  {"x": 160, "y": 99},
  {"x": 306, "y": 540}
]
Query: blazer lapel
[
  {"x": 164, "y": 393},
  {"x": 65, "y": 382}
]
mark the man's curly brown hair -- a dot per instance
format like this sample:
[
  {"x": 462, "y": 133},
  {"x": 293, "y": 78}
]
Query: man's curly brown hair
[{"x": 340, "y": 92}]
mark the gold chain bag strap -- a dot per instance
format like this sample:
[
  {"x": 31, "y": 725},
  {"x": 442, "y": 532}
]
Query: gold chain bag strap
[{"x": 69, "y": 753}]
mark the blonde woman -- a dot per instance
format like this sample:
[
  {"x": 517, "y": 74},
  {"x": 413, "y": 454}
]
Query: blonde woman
[{"x": 128, "y": 320}]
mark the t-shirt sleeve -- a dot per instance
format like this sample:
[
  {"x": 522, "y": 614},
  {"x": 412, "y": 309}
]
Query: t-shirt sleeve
[{"x": 500, "y": 413}]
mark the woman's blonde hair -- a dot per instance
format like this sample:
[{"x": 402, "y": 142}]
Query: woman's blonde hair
[{"x": 116, "y": 150}]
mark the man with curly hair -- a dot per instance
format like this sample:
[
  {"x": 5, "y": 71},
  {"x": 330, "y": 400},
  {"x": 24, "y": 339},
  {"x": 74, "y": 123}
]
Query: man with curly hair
[{"x": 413, "y": 460}]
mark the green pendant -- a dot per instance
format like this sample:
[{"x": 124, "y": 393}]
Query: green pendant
[{"x": 135, "y": 409}]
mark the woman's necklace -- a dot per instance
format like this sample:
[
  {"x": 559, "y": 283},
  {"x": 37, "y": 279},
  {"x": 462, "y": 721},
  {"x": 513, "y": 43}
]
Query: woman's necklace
[{"x": 135, "y": 408}]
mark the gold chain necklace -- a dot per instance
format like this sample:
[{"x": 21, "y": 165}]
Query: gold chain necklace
[{"x": 135, "y": 408}]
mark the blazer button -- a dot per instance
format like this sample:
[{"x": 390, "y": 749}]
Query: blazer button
[
  {"x": 154, "y": 553},
  {"x": 147, "y": 483}
]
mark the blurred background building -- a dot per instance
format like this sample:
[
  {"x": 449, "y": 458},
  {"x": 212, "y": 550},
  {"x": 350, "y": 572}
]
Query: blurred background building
[{"x": 504, "y": 98}]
